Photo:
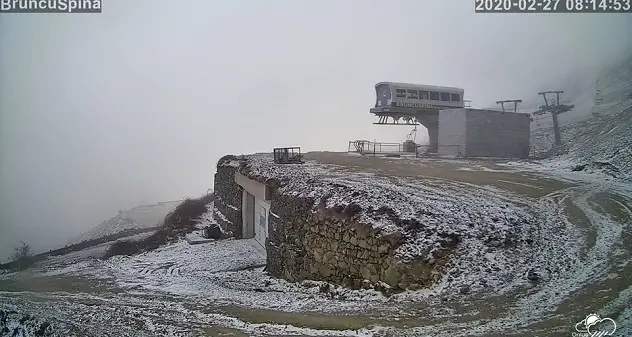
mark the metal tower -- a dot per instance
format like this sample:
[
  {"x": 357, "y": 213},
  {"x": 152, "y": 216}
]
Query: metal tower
[
  {"x": 514, "y": 101},
  {"x": 555, "y": 108}
]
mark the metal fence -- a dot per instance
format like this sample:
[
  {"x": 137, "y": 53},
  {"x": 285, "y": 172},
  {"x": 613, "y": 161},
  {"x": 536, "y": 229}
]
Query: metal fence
[
  {"x": 367, "y": 147},
  {"x": 287, "y": 155}
]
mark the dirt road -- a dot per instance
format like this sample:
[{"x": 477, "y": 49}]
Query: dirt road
[{"x": 169, "y": 293}]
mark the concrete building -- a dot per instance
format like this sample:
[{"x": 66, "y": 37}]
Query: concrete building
[
  {"x": 483, "y": 133},
  {"x": 256, "y": 199},
  {"x": 415, "y": 103},
  {"x": 241, "y": 204}
]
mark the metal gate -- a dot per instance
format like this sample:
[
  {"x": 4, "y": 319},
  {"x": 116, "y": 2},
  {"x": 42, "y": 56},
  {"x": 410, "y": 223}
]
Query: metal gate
[{"x": 261, "y": 227}]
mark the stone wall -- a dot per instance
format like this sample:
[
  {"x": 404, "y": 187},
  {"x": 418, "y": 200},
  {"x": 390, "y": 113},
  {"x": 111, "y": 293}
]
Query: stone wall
[
  {"x": 319, "y": 243},
  {"x": 330, "y": 245},
  {"x": 228, "y": 195}
]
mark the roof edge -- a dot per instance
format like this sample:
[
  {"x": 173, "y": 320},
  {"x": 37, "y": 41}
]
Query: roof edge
[{"x": 421, "y": 86}]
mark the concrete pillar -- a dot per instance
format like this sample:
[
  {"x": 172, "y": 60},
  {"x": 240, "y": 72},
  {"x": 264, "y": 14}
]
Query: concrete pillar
[
  {"x": 431, "y": 122},
  {"x": 433, "y": 138}
]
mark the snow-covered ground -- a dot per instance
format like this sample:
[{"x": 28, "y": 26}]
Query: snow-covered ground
[
  {"x": 579, "y": 223},
  {"x": 603, "y": 138},
  {"x": 15, "y": 324},
  {"x": 495, "y": 230},
  {"x": 581, "y": 256}
]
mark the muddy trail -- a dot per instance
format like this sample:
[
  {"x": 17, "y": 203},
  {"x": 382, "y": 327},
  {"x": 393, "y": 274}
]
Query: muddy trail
[{"x": 592, "y": 221}]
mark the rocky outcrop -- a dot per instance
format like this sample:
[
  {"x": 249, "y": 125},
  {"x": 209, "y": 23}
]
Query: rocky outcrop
[{"x": 228, "y": 195}]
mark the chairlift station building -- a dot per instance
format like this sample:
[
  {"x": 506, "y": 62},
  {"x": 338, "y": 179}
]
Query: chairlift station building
[{"x": 453, "y": 129}]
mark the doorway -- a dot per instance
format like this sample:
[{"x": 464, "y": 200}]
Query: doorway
[{"x": 249, "y": 217}]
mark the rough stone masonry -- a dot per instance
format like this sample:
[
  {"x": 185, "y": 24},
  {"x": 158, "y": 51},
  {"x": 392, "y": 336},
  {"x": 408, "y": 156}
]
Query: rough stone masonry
[
  {"x": 328, "y": 244},
  {"x": 358, "y": 228},
  {"x": 227, "y": 204}
]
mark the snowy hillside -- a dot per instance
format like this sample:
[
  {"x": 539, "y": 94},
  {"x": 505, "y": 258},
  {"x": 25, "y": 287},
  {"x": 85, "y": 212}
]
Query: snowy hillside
[
  {"x": 145, "y": 216},
  {"x": 606, "y": 139},
  {"x": 112, "y": 226},
  {"x": 596, "y": 132},
  {"x": 151, "y": 215}
]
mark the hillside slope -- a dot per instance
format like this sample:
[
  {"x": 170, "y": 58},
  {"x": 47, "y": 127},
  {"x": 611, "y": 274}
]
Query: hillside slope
[
  {"x": 603, "y": 139},
  {"x": 151, "y": 215},
  {"x": 112, "y": 226},
  {"x": 145, "y": 216}
]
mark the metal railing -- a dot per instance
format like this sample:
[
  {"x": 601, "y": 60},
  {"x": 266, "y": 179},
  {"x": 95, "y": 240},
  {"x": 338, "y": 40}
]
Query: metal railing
[
  {"x": 366, "y": 147},
  {"x": 288, "y": 155},
  {"x": 359, "y": 146}
]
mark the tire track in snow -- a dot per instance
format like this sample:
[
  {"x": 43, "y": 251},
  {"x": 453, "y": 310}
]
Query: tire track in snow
[{"x": 552, "y": 309}]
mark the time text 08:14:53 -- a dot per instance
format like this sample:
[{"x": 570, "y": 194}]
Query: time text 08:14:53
[{"x": 553, "y": 6}]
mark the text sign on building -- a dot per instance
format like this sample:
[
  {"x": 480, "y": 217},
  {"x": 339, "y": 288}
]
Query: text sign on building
[
  {"x": 414, "y": 105},
  {"x": 50, "y": 6}
]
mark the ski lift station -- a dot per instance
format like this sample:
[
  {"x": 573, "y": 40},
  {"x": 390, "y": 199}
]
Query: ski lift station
[{"x": 453, "y": 128}]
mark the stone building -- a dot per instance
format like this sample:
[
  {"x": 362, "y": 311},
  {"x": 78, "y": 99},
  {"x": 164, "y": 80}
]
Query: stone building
[{"x": 330, "y": 222}]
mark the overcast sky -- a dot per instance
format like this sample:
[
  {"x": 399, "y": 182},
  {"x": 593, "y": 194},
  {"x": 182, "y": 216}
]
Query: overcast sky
[{"x": 101, "y": 112}]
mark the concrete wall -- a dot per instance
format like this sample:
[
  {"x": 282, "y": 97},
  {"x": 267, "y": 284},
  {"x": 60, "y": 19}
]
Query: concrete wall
[
  {"x": 497, "y": 134},
  {"x": 452, "y": 132},
  {"x": 483, "y": 133},
  {"x": 259, "y": 190},
  {"x": 255, "y": 213}
]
